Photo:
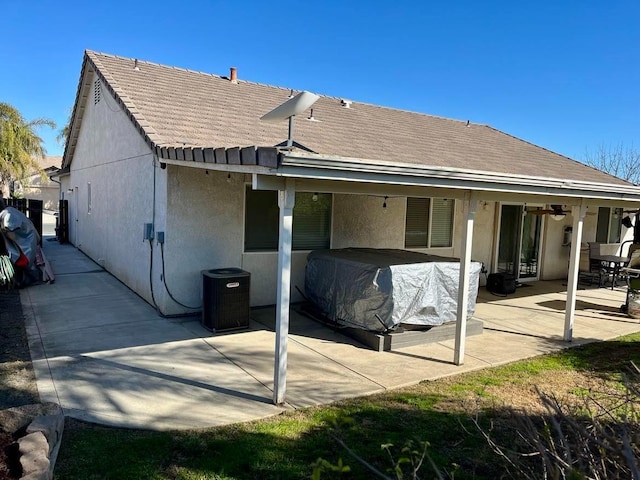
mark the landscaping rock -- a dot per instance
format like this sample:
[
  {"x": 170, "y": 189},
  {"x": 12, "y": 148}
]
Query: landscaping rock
[
  {"x": 16, "y": 418},
  {"x": 36, "y": 462},
  {"x": 33, "y": 442},
  {"x": 38, "y": 448},
  {"x": 51, "y": 426}
]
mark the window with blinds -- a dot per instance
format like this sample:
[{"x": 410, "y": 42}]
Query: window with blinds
[
  {"x": 442, "y": 222},
  {"x": 429, "y": 223},
  {"x": 311, "y": 221},
  {"x": 416, "y": 233}
]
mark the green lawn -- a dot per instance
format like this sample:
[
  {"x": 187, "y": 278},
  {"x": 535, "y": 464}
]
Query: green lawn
[{"x": 440, "y": 413}]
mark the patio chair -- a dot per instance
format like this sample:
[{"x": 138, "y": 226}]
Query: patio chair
[
  {"x": 631, "y": 273},
  {"x": 597, "y": 268},
  {"x": 634, "y": 260},
  {"x": 586, "y": 273}
]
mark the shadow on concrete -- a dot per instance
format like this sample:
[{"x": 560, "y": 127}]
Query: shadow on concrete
[{"x": 560, "y": 305}]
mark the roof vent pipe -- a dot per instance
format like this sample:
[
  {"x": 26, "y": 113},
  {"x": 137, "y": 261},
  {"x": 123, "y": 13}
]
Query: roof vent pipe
[
  {"x": 135, "y": 64},
  {"x": 233, "y": 75},
  {"x": 345, "y": 103}
]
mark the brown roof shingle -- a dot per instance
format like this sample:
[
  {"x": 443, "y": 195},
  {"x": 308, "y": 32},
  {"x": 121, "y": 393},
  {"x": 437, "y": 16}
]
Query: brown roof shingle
[{"x": 178, "y": 107}]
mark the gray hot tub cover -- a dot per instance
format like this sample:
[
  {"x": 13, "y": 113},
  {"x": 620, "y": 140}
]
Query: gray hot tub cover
[{"x": 378, "y": 289}]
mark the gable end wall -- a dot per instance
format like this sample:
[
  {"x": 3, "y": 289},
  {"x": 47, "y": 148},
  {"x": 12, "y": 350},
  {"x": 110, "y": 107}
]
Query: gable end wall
[{"x": 113, "y": 157}]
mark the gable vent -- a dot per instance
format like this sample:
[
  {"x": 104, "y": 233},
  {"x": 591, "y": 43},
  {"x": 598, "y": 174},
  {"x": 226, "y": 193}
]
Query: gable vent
[{"x": 97, "y": 91}]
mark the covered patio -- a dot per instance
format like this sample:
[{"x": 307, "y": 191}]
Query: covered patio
[
  {"x": 105, "y": 356},
  {"x": 528, "y": 323},
  {"x": 316, "y": 173}
]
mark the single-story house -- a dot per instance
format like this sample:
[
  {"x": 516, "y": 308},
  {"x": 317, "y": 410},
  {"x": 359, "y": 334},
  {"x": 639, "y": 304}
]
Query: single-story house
[
  {"x": 38, "y": 185},
  {"x": 171, "y": 171}
]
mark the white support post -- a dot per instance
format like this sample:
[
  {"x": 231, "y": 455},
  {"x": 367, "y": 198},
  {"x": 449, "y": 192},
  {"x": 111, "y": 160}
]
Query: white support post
[
  {"x": 286, "y": 201},
  {"x": 470, "y": 207},
  {"x": 578, "y": 212}
]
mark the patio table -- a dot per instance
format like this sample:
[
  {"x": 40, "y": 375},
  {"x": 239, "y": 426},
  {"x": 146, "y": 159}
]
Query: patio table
[{"x": 612, "y": 263}]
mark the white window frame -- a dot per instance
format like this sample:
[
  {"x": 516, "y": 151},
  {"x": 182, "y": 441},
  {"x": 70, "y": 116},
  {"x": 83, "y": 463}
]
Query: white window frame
[{"x": 612, "y": 211}]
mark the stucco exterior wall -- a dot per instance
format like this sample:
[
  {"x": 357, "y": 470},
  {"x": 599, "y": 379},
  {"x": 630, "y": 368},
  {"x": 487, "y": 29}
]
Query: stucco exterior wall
[
  {"x": 361, "y": 222},
  {"x": 204, "y": 230},
  {"x": 484, "y": 231},
  {"x": 264, "y": 275},
  {"x": 555, "y": 255},
  {"x": 113, "y": 158}
]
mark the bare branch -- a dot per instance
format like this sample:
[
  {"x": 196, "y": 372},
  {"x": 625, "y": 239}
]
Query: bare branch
[{"x": 618, "y": 160}]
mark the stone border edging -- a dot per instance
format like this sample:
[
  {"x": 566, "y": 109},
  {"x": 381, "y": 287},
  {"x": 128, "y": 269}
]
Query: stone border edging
[{"x": 39, "y": 447}]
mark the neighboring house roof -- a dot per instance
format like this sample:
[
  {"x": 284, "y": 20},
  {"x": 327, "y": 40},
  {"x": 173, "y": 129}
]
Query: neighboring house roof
[
  {"x": 48, "y": 162},
  {"x": 173, "y": 107}
]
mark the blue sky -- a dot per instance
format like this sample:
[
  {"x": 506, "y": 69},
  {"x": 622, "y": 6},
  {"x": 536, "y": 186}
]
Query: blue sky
[{"x": 561, "y": 74}]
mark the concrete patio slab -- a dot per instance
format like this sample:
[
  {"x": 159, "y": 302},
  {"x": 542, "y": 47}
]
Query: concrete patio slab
[{"x": 105, "y": 356}]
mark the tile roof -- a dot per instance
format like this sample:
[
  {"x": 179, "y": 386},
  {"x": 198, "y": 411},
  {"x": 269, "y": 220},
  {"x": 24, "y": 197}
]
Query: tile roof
[
  {"x": 49, "y": 161},
  {"x": 177, "y": 107}
]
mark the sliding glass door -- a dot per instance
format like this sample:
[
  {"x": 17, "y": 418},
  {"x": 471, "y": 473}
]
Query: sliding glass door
[{"x": 519, "y": 238}]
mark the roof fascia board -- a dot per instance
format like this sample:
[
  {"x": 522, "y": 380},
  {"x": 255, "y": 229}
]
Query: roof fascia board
[
  {"x": 490, "y": 189},
  {"x": 222, "y": 167},
  {"x": 350, "y": 170},
  {"x": 611, "y": 203},
  {"x": 352, "y": 164},
  {"x": 59, "y": 175},
  {"x": 270, "y": 182}
]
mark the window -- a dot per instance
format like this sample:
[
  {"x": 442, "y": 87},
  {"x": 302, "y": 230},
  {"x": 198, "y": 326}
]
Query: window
[
  {"x": 416, "y": 233},
  {"x": 609, "y": 225},
  {"x": 442, "y": 222},
  {"x": 311, "y": 221},
  {"x": 429, "y": 223}
]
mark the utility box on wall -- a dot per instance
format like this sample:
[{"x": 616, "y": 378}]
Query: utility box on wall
[{"x": 225, "y": 299}]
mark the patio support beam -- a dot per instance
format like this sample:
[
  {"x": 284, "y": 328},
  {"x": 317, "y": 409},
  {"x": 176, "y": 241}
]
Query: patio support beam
[
  {"x": 286, "y": 201},
  {"x": 470, "y": 206},
  {"x": 578, "y": 212}
]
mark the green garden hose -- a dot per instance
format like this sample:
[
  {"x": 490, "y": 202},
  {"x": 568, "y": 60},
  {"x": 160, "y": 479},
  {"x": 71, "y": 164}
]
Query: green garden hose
[{"x": 7, "y": 274}]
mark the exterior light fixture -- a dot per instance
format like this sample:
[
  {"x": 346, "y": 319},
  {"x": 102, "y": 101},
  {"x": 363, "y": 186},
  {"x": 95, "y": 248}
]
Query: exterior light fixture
[
  {"x": 314, "y": 197},
  {"x": 384, "y": 204}
]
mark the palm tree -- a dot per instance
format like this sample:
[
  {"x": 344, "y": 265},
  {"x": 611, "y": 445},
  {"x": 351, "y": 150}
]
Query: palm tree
[
  {"x": 20, "y": 146},
  {"x": 63, "y": 135}
]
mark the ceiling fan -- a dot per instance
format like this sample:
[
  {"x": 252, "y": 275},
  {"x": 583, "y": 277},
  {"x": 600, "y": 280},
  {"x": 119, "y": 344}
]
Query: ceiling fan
[{"x": 554, "y": 210}]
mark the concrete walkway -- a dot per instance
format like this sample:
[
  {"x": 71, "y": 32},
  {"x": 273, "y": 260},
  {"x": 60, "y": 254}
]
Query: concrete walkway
[{"x": 105, "y": 356}]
